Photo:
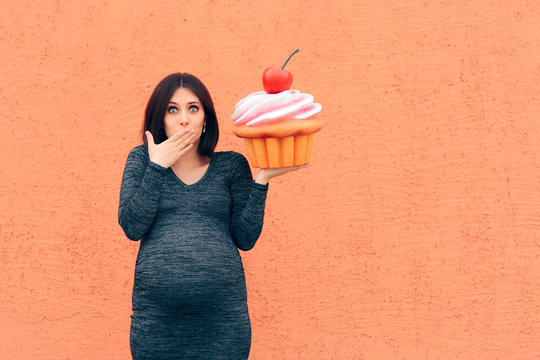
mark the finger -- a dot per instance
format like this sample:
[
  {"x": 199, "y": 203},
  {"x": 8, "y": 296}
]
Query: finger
[
  {"x": 293, "y": 168},
  {"x": 185, "y": 150},
  {"x": 186, "y": 135},
  {"x": 177, "y": 135},
  {"x": 185, "y": 140},
  {"x": 300, "y": 167},
  {"x": 149, "y": 137}
]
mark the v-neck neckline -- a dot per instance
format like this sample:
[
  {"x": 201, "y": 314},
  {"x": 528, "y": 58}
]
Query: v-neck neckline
[{"x": 196, "y": 182}]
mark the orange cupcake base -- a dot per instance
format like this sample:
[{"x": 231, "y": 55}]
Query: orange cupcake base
[
  {"x": 287, "y": 143},
  {"x": 280, "y": 152}
]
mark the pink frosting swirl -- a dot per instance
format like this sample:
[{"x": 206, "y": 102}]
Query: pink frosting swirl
[{"x": 261, "y": 108}]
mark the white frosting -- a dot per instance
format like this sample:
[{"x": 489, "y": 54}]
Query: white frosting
[{"x": 261, "y": 108}]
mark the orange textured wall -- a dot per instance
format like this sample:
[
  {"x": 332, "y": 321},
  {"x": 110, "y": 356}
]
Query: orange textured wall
[{"x": 414, "y": 234}]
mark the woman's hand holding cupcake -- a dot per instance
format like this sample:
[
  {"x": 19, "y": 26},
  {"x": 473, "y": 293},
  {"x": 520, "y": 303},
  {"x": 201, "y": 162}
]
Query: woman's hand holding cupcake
[{"x": 265, "y": 175}]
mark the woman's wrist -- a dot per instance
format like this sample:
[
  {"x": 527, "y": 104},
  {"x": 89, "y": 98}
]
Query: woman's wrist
[{"x": 260, "y": 179}]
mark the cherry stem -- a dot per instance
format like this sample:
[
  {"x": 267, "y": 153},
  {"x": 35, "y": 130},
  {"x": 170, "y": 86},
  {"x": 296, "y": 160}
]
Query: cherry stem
[{"x": 295, "y": 51}]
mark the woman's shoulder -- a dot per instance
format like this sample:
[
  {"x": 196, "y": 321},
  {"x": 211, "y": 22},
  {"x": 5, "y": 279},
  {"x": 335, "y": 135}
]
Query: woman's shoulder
[
  {"x": 140, "y": 149},
  {"x": 140, "y": 152},
  {"x": 231, "y": 161}
]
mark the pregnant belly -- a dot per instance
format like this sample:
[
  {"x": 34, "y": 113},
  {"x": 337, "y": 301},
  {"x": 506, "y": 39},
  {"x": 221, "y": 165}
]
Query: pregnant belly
[{"x": 189, "y": 275}]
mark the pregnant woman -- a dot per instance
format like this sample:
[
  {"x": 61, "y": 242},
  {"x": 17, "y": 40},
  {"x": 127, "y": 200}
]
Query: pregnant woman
[{"x": 192, "y": 209}]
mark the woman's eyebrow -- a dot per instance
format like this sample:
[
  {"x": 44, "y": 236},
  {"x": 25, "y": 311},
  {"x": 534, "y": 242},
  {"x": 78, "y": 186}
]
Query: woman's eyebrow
[{"x": 191, "y": 102}]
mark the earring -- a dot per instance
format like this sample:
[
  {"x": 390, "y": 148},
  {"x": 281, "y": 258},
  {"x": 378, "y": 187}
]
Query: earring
[{"x": 204, "y": 128}]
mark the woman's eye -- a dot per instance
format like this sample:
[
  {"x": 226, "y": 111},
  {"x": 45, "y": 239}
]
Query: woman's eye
[
  {"x": 193, "y": 108},
  {"x": 172, "y": 110}
]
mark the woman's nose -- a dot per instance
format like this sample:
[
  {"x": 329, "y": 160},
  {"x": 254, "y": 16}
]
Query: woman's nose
[{"x": 183, "y": 118}]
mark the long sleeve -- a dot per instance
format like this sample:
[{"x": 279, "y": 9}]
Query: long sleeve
[
  {"x": 249, "y": 200},
  {"x": 139, "y": 193}
]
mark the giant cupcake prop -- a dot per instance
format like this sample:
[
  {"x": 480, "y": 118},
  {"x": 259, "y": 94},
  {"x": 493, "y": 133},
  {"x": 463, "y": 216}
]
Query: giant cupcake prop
[{"x": 277, "y": 124}]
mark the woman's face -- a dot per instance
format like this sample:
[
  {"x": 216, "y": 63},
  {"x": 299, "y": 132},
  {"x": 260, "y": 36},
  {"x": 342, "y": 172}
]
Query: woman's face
[{"x": 184, "y": 110}]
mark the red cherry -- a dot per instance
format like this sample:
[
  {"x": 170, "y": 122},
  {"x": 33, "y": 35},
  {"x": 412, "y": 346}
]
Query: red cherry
[{"x": 276, "y": 80}]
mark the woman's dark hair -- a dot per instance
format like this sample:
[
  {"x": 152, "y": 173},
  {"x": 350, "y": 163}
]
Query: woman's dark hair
[{"x": 157, "y": 106}]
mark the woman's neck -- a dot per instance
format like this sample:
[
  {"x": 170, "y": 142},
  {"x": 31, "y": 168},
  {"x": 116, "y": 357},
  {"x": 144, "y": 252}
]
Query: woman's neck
[{"x": 190, "y": 160}]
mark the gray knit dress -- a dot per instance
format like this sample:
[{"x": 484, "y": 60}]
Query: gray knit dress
[{"x": 189, "y": 294}]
